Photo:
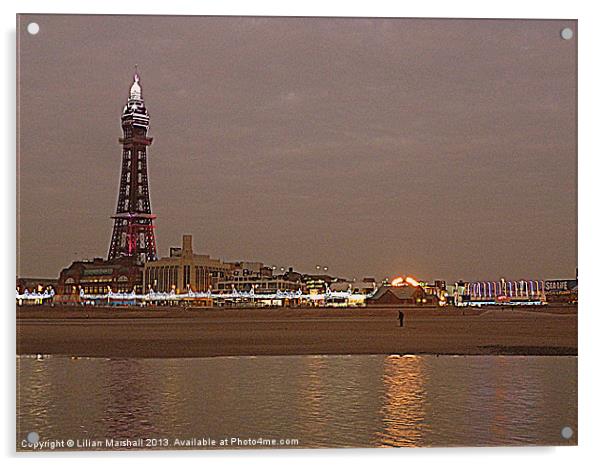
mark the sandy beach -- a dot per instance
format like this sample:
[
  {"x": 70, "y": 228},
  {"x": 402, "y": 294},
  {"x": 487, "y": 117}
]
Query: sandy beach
[{"x": 172, "y": 332}]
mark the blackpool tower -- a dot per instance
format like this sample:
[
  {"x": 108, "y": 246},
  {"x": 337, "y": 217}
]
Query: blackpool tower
[{"x": 133, "y": 230}]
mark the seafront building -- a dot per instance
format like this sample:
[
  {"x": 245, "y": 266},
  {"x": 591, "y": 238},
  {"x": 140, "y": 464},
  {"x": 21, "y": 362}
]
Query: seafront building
[
  {"x": 500, "y": 292},
  {"x": 39, "y": 284},
  {"x": 318, "y": 283},
  {"x": 98, "y": 276},
  {"x": 404, "y": 294},
  {"x": 184, "y": 271},
  {"x": 510, "y": 291},
  {"x": 359, "y": 291},
  {"x": 563, "y": 291},
  {"x": 258, "y": 283},
  {"x": 365, "y": 286}
]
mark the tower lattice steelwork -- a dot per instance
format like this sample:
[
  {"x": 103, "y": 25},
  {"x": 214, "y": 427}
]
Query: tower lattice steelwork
[{"x": 133, "y": 230}]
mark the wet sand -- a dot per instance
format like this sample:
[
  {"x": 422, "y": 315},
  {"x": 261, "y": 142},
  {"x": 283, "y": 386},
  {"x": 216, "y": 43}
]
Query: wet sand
[{"x": 173, "y": 332}]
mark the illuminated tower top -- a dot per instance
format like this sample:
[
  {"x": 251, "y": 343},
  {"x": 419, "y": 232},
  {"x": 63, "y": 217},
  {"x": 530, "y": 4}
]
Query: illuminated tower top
[
  {"x": 134, "y": 110},
  {"x": 136, "y": 90}
]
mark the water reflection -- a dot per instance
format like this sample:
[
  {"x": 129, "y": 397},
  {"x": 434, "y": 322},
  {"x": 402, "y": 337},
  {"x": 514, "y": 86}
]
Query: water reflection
[
  {"x": 324, "y": 401},
  {"x": 132, "y": 402},
  {"x": 403, "y": 410}
]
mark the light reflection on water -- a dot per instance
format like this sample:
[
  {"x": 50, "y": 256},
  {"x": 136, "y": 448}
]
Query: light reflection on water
[{"x": 324, "y": 401}]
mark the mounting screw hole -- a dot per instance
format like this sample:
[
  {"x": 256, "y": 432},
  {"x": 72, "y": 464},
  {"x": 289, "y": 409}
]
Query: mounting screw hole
[
  {"x": 566, "y": 33},
  {"x": 566, "y": 432},
  {"x": 33, "y": 28}
]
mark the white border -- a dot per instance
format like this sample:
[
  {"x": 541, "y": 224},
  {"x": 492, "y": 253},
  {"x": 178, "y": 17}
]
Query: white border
[{"x": 590, "y": 108}]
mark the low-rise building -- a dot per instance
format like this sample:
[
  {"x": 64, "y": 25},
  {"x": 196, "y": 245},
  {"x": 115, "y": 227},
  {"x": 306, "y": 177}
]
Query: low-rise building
[
  {"x": 261, "y": 284},
  {"x": 359, "y": 291},
  {"x": 184, "y": 270},
  {"x": 563, "y": 291},
  {"x": 247, "y": 276},
  {"x": 406, "y": 295},
  {"x": 36, "y": 284},
  {"x": 98, "y": 276},
  {"x": 367, "y": 286},
  {"x": 247, "y": 268},
  {"x": 317, "y": 283}
]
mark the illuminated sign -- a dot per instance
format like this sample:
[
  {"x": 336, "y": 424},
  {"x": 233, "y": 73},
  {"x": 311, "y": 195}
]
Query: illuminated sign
[
  {"x": 98, "y": 272},
  {"x": 559, "y": 286}
]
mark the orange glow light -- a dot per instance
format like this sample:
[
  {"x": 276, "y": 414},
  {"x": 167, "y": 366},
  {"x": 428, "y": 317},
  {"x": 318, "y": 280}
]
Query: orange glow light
[
  {"x": 397, "y": 281},
  {"x": 411, "y": 281}
]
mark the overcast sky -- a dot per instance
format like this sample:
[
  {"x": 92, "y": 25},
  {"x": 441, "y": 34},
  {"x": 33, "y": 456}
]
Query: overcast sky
[{"x": 436, "y": 148}]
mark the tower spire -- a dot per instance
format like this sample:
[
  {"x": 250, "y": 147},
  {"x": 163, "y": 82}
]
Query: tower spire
[{"x": 135, "y": 89}]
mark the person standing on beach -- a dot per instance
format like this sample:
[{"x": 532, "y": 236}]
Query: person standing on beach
[{"x": 400, "y": 317}]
